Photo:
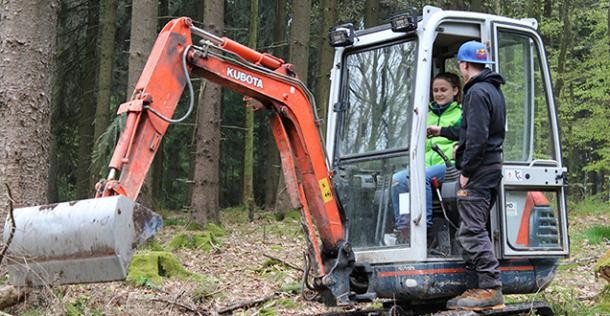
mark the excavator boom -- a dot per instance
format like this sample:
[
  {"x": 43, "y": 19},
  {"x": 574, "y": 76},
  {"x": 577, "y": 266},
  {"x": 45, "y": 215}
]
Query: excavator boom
[{"x": 263, "y": 77}]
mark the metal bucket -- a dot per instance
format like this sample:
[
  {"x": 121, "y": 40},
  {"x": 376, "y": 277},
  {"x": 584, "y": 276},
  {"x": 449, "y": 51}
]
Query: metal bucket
[{"x": 82, "y": 241}]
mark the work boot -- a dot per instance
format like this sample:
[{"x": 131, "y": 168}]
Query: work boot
[
  {"x": 452, "y": 303},
  {"x": 478, "y": 300}
]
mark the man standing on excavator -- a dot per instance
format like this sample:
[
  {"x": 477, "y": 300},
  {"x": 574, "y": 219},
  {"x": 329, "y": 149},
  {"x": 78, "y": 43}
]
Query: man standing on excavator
[{"x": 479, "y": 158}]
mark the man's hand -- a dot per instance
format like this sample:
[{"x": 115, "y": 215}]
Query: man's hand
[
  {"x": 463, "y": 181},
  {"x": 433, "y": 130}
]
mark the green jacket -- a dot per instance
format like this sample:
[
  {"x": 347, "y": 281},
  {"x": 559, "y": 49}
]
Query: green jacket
[{"x": 451, "y": 117}]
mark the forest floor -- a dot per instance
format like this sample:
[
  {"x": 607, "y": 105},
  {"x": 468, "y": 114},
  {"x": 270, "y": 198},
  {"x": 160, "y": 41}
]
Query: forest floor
[{"x": 229, "y": 270}]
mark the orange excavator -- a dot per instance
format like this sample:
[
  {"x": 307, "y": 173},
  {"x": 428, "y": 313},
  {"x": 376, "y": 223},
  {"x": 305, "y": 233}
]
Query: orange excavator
[{"x": 380, "y": 83}]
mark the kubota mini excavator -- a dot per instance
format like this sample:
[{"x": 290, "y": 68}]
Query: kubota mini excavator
[{"x": 380, "y": 83}]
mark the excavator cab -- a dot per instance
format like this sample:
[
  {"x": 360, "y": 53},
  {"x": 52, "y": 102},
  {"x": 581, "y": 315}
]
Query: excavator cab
[
  {"x": 376, "y": 130},
  {"x": 346, "y": 189}
]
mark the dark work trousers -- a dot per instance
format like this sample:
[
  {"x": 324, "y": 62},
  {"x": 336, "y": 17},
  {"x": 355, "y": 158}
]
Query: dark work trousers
[{"x": 474, "y": 205}]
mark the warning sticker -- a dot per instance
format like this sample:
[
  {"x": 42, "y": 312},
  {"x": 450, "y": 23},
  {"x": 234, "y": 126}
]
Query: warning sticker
[{"x": 327, "y": 195}]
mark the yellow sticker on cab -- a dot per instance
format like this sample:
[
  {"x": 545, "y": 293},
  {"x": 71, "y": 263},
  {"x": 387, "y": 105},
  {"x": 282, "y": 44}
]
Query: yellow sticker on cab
[{"x": 327, "y": 194}]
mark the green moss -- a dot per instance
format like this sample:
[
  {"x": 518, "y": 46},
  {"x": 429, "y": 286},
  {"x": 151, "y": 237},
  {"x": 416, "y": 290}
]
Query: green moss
[
  {"x": 150, "y": 267},
  {"x": 194, "y": 240},
  {"x": 216, "y": 230},
  {"x": 153, "y": 245}
]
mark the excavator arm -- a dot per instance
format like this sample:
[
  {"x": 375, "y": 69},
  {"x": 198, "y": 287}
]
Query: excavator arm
[{"x": 263, "y": 77}]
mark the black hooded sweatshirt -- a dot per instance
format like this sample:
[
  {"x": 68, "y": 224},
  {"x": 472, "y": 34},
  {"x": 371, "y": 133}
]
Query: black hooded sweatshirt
[{"x": 481, "y": 134}]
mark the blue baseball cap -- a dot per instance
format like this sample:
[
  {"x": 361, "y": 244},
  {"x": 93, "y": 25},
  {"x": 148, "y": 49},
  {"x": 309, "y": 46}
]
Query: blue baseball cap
[{"x": 474, "y": 52}]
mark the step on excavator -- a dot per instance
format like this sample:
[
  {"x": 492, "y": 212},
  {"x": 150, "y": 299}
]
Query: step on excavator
[{"x": 376, "y": 127}]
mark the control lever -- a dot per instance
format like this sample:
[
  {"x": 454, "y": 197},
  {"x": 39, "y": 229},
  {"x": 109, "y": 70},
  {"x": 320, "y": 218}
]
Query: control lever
[{"x": 442, "y": 154}]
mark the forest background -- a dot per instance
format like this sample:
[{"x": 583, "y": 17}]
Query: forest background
[
  {"x": 84, "y": 57},
  {"x": 66, "y": 65}
]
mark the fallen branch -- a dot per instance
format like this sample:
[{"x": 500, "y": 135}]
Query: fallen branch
[
  {"x": 12, "y": 219},
  {"x": 286, "y": 263},
  {"x": 192, "y": 310},
  {"x": 246, "y": 304}
]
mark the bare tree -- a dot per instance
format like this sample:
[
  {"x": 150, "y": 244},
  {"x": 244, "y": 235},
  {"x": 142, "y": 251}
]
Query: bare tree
[
  {"x": 204, "y": 199},
  {"x": 26, "y": 73},
  {"x": 272, "y": 166},
  {"x": 87, "y": 110},
  {"x": 371, "y": 16},
  {"x": 107, "y": 30},
  {"x": 326, "y": 58},
  {"x": 248, "y": 194},
  {"x": 143, "y": 35},
  {"x": 299, "y": 56},
  {"x": 299, "y": 37}
]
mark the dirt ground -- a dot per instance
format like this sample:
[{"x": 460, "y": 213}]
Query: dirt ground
[{"x": 239, "y": 269}]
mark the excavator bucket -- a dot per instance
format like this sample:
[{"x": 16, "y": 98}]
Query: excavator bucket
[{"x": 83, "y": 241}]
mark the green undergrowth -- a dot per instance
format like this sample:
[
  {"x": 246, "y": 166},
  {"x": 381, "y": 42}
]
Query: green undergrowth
[
  {"x": 564, "y": 301},
  {"x": 274, "y": 271},
  {"x": 236, "y": 214},
  {"x": 292, "y": 287},
  {"x": 149, "y": 268},
  {"x": 33, "y": 312},
  {"x": 602, "y": 306},
  {"x": 207, "y": 287},
  {"x": 79, "y": 306},
  {"x": 293, "y": 215},
  {"x": 597, "y": 234},
  {"x": 589, "y": 206}
]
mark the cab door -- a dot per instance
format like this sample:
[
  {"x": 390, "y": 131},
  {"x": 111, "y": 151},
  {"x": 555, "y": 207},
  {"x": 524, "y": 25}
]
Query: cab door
[{"x": 532, "y": 204}]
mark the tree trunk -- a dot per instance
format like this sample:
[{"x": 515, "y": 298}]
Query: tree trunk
[
  {"x": 534, "y": 9},
  {"x": 548, "y": 9},
  {"x": 458, "y": 5},
  {"x": 475, "y": 5},
  {"x": 142, "y": 38},
  {"x": 498, "y": 7},
  {"x": 106, "y": 44},
  {"x": 299, "y": 57},
  {"x": 273, "y": 157},
  {"x": 87, "y": 111},
  {"x": 326, "y": 59},
  {"x": 563, "y": 50},
  {"x": 204, "y": 200},
  {"x": 371, "y": 17},
  {"x": 248, "y": 194},
  {"x": 299, "y": 38},
  {"x": 26, "y": 69}
]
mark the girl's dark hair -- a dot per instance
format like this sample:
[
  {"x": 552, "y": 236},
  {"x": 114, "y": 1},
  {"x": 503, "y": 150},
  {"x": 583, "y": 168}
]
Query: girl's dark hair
[{"x": 454, "y": 81}]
